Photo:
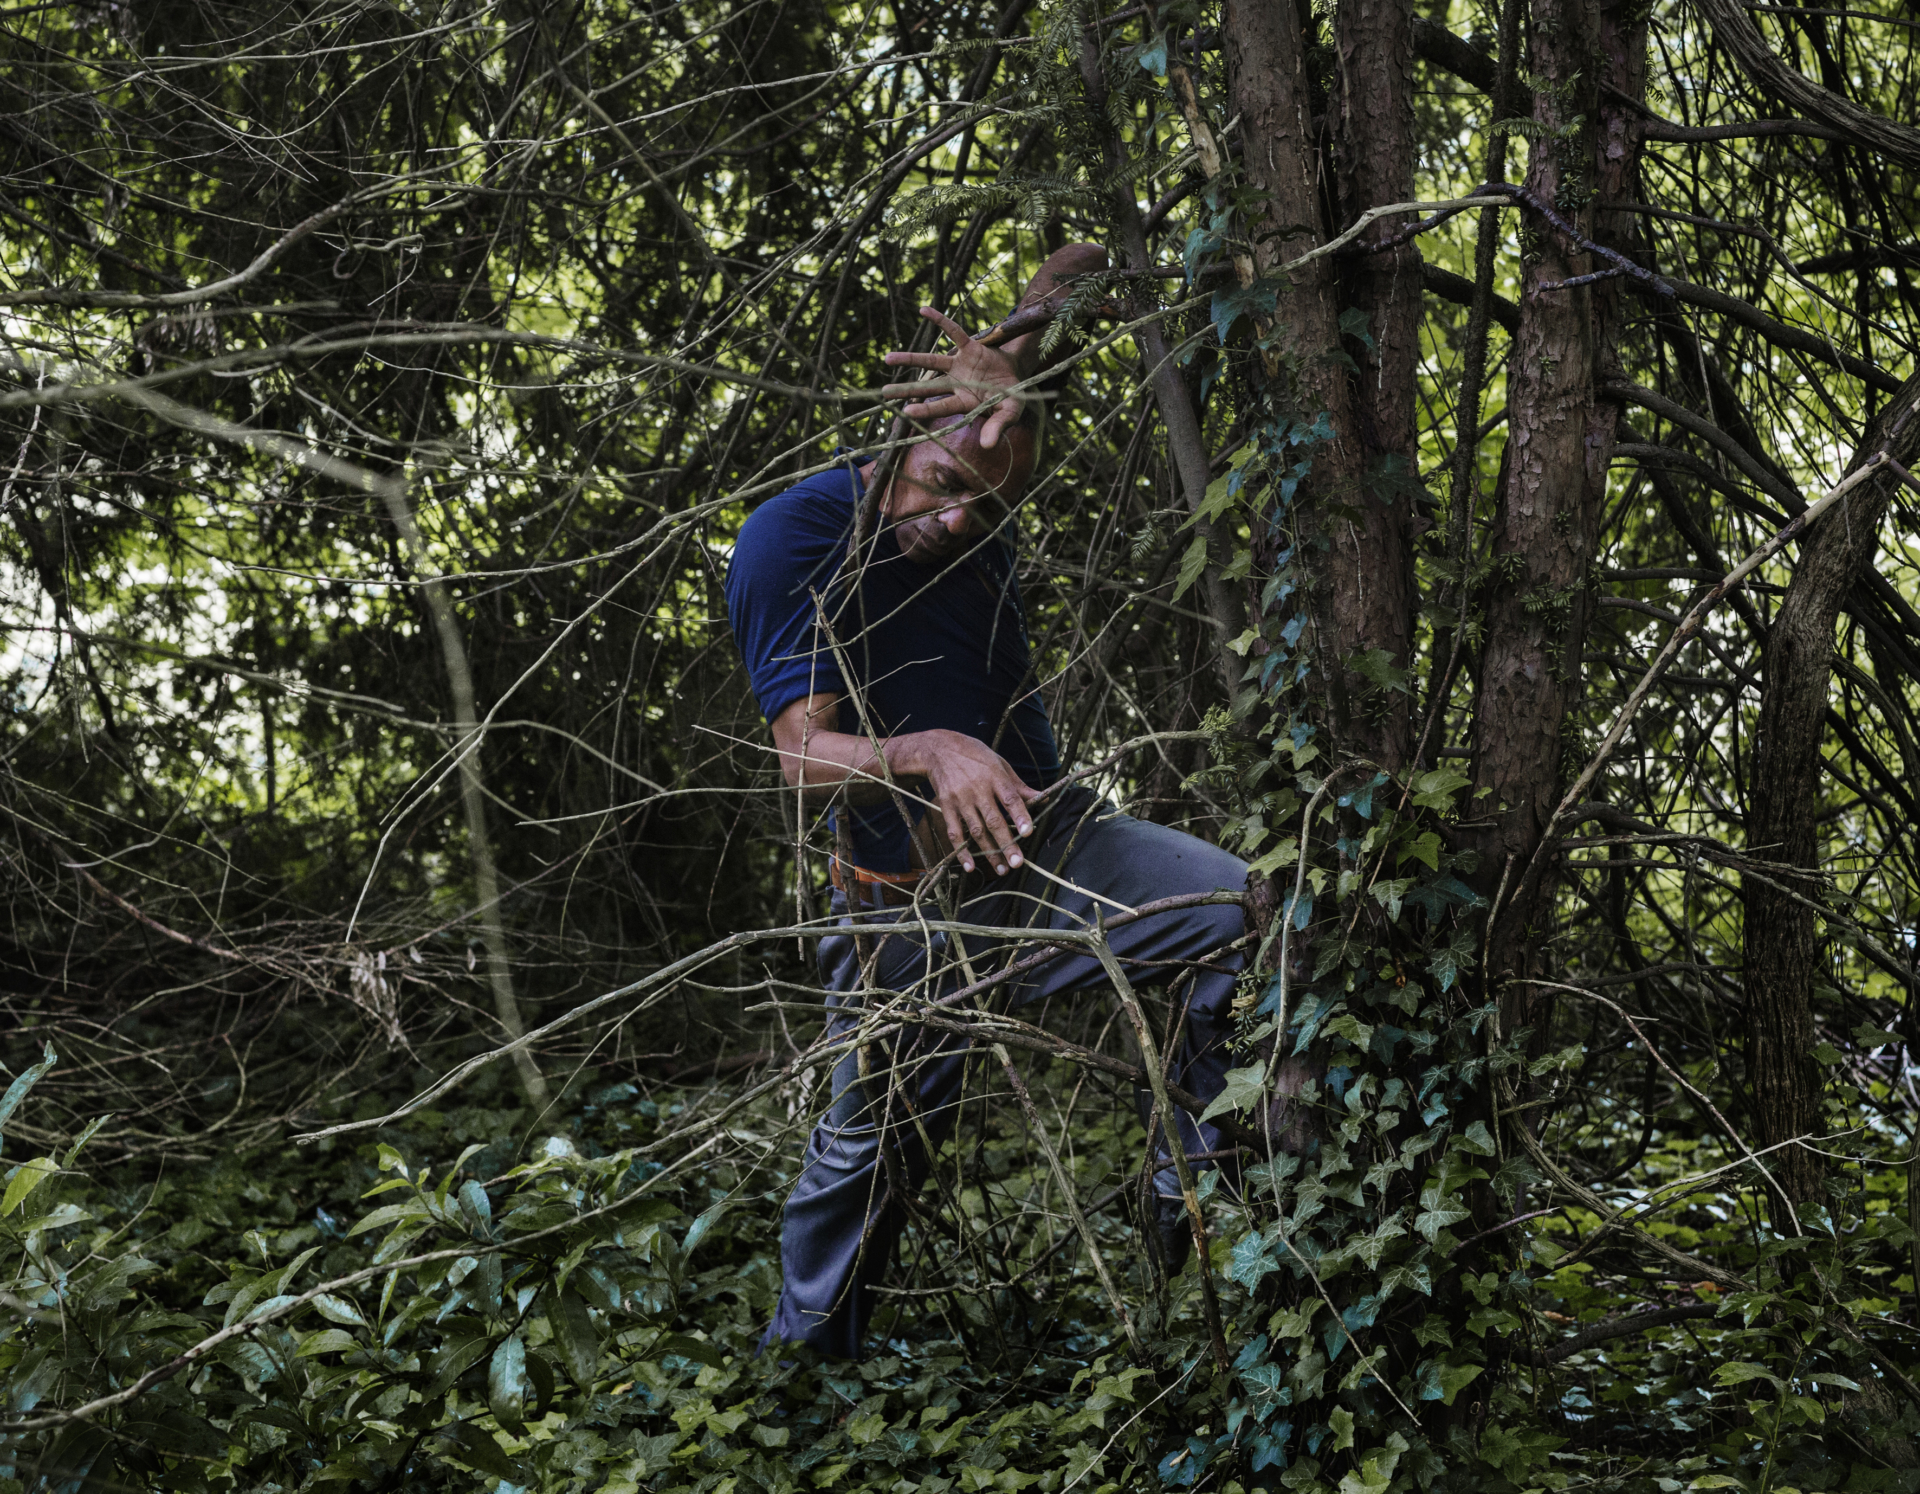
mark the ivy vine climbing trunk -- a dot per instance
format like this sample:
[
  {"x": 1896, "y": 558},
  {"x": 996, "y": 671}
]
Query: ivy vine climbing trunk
[
  {"x": 1561, "y": 431},
  {"x": 1351, "y": 338},
  {"x": 1370, "y": 579},
  {"x": 1781, "y": 941}
]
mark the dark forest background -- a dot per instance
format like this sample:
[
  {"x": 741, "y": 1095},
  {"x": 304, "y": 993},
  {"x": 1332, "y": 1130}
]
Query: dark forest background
[{"x": 383, "y": 386}]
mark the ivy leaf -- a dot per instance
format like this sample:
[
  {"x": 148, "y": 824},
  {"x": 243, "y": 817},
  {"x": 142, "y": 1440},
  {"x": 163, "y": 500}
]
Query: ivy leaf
[
  {"x": 1250, "y": 1260},
  {"x": 1269, "y": 1448},
  {"x": 655, "y": 1453},
  {"x": 1353, "y": 322},
  {"x": 1438, "y": 1217},
  {"x": 1440, "y": 1381},
  {"x": 1453, "y": 957},
  {"x": 1233, "y": 302},
  {"x": 1389, "y": 894},
  {"x": 1191, "y": 565},
  {"x": 1368, "y": 1478},
  {"x": 1437, "y": 894},
  {"x": 1200, "y": 242},
  {"x": 1426, "y": 849},
  {"x": 1284, "y": 854},
  {"x": 1435, "y": 789},
  {"x": 1242, "y": 1090}
]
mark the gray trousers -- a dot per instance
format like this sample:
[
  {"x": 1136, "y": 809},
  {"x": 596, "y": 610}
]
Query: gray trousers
[{"x": 843, "y": 1217}]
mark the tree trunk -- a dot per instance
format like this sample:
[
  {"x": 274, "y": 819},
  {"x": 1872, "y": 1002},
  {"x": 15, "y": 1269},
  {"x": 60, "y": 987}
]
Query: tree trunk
[
  {"x": 1360, "y": 599},
  {"x": 1780, "y": 937},
  {"x": 1554, "y": 478}
]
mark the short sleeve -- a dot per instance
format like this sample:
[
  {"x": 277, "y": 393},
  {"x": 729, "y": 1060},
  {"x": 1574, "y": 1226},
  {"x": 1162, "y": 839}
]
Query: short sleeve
[{"x": 789, "y": 548}]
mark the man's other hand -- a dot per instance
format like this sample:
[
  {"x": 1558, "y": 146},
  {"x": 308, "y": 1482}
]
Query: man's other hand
[{"x": 983, "y": 804}]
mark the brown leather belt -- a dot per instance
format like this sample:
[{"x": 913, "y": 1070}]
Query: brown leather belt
[{"x": 875, "y": 888}]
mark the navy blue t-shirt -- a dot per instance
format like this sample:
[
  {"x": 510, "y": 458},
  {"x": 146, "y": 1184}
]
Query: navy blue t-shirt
[{"x": 930, "y": 647}]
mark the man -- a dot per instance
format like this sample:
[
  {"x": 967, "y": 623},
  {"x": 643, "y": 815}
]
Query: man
[{"x": 898, "y": 681}]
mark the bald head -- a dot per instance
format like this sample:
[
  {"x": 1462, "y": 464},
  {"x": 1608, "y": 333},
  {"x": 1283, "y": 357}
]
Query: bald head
[{"x": 951, "y": 491}]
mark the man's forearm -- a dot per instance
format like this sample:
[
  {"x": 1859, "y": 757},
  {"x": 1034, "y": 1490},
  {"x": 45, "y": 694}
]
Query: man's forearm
[
  {"x": 834, "y": 764},
  {"x": 1058, "y": 267},
  {"x": 837, "y": 764}
]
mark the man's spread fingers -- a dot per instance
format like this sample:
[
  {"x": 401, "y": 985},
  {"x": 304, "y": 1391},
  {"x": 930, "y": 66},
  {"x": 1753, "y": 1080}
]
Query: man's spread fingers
[
  {"x": 953, "y": 404},
  {"x": 947, "y": 325}
]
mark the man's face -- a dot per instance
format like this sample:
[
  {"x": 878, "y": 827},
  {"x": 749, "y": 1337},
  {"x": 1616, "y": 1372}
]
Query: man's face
[{"x": 950, "y": 492}]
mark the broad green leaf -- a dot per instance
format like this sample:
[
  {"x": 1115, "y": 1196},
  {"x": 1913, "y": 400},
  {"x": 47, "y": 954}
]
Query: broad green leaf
[
  {"x": 1739, "y": 1372},
  {"x": 509, "y": 1387},
  {"x": 338, "y": 1310},
  {"x": 473, "y": 1446},
  {"x": 687, "y": 1347},
  {"x": 87, "y": 1133},
  {"x": 1811, "y": 1409},
  {"x": 17, "y": 1091},
  {"x": 574, "y": 1332},
  {"x": 326, "y": 1341},
  {"x": 476, "y": 1208},
  {"x": 387, "y": 1214},
  {"x": 26, "y": 1177},
  {"x": 697, "y": 1231}
]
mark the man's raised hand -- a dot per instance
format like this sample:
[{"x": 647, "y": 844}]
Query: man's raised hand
[{"x": 970, "y": 377}]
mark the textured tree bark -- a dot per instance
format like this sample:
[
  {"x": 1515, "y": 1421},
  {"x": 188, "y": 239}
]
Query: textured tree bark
[
  {"x": 1780, "y": 937},
  {"x": 1370, "y": 578},
  {"x": 1361, "y": 597},
  {"x": 1554, "y": 478}
]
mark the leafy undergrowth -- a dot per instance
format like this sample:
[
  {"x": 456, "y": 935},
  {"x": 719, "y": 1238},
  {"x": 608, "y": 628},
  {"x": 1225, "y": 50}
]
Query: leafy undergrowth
[{"x": 455, "y": 1307}]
